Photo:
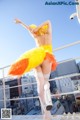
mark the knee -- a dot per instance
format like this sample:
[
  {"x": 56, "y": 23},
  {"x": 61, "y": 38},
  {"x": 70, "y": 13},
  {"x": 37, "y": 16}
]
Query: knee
[{"x": 46, "y": 76}]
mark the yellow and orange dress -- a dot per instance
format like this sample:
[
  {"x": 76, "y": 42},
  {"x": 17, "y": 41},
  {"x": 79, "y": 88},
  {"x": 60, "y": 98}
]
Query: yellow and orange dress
[{"x": 31, "y": 59}]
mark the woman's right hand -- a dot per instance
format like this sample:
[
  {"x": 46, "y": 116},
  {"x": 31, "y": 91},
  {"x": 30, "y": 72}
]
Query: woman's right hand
[{"x": 17, "y": 21}]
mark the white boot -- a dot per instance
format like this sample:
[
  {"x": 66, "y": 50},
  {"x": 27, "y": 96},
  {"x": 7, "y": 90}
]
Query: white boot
[{"x": 47, "y": 96}]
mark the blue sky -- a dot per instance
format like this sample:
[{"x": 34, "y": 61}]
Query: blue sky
[{"x": 15, "y": 40}]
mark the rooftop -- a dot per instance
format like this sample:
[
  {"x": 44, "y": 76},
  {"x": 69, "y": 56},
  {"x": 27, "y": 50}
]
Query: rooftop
[{"x": 39, "y": 117}]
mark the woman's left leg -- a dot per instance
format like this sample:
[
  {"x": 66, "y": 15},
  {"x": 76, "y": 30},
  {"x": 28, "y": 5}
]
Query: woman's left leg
[{"x": 46, "y": 69}]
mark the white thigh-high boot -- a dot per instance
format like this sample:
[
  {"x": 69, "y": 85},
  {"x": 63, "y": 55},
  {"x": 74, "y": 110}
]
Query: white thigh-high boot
[
  {"x": 40, "y": 89},
  {"x": 47, "y": 94}
]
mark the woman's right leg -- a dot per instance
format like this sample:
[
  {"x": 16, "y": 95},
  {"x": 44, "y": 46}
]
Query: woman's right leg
[{"x": 40, "y": 88}]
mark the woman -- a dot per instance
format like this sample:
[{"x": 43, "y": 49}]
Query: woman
[{"x": 43, "y": 38}]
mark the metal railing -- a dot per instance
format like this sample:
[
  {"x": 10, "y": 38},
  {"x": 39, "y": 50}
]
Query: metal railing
[{"x": 57, "y": 78}]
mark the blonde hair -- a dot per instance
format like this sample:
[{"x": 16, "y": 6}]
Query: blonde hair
[{"x": 32, "y": 26}]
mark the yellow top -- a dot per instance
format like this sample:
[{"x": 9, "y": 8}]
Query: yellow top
[{"x": 47, "y": 48}]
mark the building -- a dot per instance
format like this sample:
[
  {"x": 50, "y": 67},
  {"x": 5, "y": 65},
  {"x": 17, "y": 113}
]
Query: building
[
  {"x": 65, "y": 85},
  {"x": 66, "y": 68},
  {"x": 1, "y": 94},
  {"x": 14, "y": 91},
  {"x": 30, "y": 88},
  {"x": 79, "y": 66},
  {"x": 76, "y": 82},
  {"x": 7, "y": 95}
]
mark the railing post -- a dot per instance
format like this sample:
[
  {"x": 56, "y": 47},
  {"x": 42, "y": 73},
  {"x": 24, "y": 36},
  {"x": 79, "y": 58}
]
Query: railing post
[{"x": 4, "y": 89}]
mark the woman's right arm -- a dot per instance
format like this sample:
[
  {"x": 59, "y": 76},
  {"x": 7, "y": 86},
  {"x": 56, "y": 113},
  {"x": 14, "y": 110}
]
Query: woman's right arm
[
  {"x": 17, "y": 21},
  {"x": 30, "y": 30}
]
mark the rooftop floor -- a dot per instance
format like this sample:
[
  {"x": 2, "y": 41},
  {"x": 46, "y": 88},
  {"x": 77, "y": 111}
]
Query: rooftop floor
[{"x": 39, "y": 117}]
